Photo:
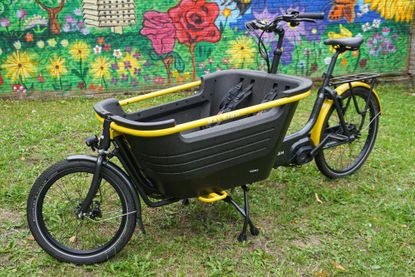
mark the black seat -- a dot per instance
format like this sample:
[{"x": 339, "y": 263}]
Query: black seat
[{"x": 345, "y": 43}]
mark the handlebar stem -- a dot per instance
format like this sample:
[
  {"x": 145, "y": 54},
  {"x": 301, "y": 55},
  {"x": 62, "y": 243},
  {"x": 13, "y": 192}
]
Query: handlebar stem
[{"x": 278, "y": 51}]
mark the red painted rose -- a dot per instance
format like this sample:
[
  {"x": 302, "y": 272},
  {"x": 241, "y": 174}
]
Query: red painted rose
[
  {"x": 195, "y": 21},
  {"x": 158, "y": 27}
]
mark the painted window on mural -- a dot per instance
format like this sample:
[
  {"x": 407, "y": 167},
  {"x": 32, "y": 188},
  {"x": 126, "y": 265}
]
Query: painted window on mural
[{"x": 108, "y": 45}]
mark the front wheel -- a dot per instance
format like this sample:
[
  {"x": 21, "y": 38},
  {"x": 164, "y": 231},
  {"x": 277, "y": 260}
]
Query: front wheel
[
  {"x": 342, "y": 156},
  {"x": 52, "y": 213}
]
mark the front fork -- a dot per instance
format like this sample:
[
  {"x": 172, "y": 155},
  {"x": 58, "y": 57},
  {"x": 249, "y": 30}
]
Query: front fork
[{"x": 102, "y": 145}]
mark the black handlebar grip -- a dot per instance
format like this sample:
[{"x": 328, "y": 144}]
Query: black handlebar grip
[{"x": 311, "y": 15}]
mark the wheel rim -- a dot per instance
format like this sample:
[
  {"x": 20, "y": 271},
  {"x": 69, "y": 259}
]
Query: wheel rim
[
  {"x": 58, "y": 203},
  {"x": 343, "y": 157}
]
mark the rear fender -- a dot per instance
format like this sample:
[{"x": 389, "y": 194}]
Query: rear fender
[{"x": 318, "y": 126}]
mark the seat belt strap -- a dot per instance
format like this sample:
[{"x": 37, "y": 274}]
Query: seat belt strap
[{"x": 238, "y": 99}]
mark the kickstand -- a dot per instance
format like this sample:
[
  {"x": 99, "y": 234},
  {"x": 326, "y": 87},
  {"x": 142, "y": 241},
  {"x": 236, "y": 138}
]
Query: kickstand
[{"x": 245, "y": 213}]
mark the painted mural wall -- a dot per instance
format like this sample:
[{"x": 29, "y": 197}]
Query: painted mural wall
[{"x": 71, "y": 46}]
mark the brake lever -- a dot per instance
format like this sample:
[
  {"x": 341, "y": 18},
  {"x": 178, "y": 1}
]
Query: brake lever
[
  {"x": 296, "y": 21},
  {"x": 259, "y": 25}
]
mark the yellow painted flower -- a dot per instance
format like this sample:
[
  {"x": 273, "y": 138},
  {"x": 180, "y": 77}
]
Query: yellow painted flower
[
  {"x": 399, "y": 10},
  {"x": 175, "y": 73},
  {"x": 51, "y": 42},
  {"x": 19, "y": 65},
  {"x": 40, "y": 44},
  {"x": 64, "y": 43},
  {"x": 128, "y": 63},
  {"x": 100, "y": 68},
  {"x": 344, "y": 33},
  {"x": 226, "y": 12},
  {"x": 242, "y": 51},
  {"x": 56, "y": 67},
  {"x": 79, "y": 50},
  {"x": 187, "y": 75}
]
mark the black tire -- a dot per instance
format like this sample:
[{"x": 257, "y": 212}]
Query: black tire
[
  {"x": 80, "y": 241},
  {"x": 365, "y": 137}
]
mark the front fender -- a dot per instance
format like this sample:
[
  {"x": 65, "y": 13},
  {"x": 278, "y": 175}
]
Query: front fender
[
  {"x": 318, "y": 126},
  {"x": 117, "y": 170}
]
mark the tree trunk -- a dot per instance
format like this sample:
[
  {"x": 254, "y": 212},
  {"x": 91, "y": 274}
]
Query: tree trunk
[
  {"x": 167, "y": 64},
  {"x": 192, "y": 47},
  {"x": 53, "y": 16},
  {"x": 54, "y": 23}
]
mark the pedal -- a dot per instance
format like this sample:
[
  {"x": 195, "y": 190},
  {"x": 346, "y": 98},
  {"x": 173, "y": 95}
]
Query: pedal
[{"x": 213, "y": 197}]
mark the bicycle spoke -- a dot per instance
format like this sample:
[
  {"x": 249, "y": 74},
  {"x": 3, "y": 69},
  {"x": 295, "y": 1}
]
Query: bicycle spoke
[
  {"x": 61, "y": 203},
  {"x": 358, "y": 116}
]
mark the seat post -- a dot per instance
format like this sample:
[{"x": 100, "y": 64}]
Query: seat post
[{"x": 330, "y": 69}]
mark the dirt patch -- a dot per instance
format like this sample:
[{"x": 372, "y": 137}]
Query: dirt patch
[
  {"x": 9, "y": 216},
  {"x": 10, "y": 223},
  {"x": 308, "y": 242}
]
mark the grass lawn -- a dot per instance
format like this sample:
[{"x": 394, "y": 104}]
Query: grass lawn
[{"x": 364, "y": 225}]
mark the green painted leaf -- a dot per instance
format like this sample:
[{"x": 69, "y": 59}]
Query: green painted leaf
[
  {"x": 179, "y": 63},
  {"x": 85, "y": 72},
  {"x": 203, "y": 50},
  {"x": 76, "y": 72},
  {"x": 154, "y": 56}
]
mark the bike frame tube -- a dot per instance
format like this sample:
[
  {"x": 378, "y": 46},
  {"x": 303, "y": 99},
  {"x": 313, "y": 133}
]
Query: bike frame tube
[{"x": 301, "y": 138}]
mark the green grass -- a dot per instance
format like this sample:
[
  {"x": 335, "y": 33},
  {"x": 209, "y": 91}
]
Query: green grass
[{"x": 365, "y": 225}]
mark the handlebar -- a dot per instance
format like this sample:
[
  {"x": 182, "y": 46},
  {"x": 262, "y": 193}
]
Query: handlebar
[
  {"x": 294, "y": 18},
  {"x": 316, "y": 16}
]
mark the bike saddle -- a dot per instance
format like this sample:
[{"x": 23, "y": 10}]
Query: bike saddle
[{"x": 345, "y": 43}]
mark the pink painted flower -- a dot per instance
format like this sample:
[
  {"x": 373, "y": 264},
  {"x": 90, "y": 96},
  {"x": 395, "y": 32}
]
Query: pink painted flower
[
  {"x": 137, "y": 55},
  {"x": 107, "y": 47},
  {"x": 159, "y": 28},
  {"x": 5, "y": 22},
  {"x": 158, "y": 80},
  {"x": 21, "y": 13}
]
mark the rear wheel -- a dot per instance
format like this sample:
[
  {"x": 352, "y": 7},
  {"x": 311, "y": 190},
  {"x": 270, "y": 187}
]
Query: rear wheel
[
  {"x": 52, "y": 213},
  {"x": 341, "y": 156}
]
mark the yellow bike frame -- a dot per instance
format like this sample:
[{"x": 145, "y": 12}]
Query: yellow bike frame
[{"x": 318, "y": 126}]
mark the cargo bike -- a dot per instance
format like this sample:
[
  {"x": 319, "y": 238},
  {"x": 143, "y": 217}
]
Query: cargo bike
[{"x": 230, "y": 133}]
